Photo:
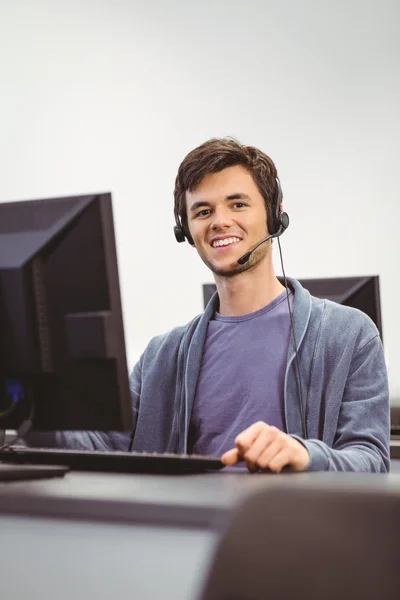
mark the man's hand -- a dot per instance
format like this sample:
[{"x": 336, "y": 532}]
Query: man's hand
[{"x": 262, "y": 446}]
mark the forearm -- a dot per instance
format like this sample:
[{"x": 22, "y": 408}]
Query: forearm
[{"x": 356, "y": 457}]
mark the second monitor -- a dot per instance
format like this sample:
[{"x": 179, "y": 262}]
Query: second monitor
[{"x": 358, "y": 292}]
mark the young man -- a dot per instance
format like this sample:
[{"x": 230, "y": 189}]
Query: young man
[{"x": 242, "y": 380}]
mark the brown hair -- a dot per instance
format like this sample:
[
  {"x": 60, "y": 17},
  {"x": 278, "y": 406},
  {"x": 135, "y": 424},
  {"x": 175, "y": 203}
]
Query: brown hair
[{"x": 214, "y": 156}]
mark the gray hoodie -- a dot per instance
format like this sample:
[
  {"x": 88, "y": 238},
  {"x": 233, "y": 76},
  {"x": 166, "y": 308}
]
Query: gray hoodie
[{"x": 343, "y": 379}]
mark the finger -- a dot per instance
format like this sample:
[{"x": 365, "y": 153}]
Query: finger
[
  {"x": 265, "y": 438},
  {"x": 276, "y": 446},
  {"x": 280, "y": 460},
  {"x": 246, "y": 438},
  {"x": 259, "y": 445},
  {"x": 231, "y": 457}
]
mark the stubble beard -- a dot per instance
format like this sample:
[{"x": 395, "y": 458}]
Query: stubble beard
[{"x": 255, "y": 259}]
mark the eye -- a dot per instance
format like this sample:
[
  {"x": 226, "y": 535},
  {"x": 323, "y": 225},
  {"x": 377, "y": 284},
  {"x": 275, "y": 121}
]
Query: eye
[
  {"x": 239, "y": 205},
  {"x": 203, "y": 213}
]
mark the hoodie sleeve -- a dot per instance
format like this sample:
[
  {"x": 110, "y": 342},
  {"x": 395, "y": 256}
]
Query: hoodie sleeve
[{"x": 362, "y": 440}]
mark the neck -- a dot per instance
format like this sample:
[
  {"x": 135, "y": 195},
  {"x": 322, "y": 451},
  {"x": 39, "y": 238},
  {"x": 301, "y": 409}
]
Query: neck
[{"x": 248, "y": 291}]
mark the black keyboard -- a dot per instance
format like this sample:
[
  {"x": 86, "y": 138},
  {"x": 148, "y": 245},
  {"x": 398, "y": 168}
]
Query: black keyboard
[{"x": 112, "y": 461}]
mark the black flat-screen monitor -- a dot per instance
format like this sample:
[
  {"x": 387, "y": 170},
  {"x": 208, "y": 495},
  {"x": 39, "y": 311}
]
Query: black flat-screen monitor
[
  {"x": 359, "y": 292},
  {"x": 62, "y": 349}
]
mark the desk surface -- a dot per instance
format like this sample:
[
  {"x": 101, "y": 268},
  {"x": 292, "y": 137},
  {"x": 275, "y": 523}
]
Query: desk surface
[
  {"x": 101, "y": 536},
  {"x": 187, "y": 500}
]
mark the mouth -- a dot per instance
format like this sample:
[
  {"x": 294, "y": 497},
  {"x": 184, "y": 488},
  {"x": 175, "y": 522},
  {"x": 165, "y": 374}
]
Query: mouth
[{"x": 226, "y": 243}]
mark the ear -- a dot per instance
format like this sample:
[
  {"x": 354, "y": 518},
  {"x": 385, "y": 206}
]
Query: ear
[{"x": 281, "y": 207}]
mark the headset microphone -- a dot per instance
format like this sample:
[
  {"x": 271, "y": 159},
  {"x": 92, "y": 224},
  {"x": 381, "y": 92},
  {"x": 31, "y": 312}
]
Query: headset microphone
[{"x": 244, "y": 259}]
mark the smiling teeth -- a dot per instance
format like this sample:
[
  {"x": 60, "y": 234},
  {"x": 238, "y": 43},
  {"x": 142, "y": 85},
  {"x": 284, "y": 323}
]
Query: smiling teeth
[{"x": 225, "y": 242}]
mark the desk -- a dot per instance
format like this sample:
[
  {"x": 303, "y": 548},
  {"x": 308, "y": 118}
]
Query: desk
[{"x": 104, "y": 536}]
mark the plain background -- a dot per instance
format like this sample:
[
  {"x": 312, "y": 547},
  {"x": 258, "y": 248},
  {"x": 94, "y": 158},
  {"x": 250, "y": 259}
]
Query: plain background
[{"x": 110, "y": 96}]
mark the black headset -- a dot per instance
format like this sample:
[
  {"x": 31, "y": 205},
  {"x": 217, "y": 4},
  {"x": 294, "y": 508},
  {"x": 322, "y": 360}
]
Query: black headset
[{"x": 277, "y": 220}]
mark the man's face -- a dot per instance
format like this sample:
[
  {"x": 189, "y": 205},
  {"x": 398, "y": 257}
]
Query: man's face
[{"x": 226, "y": 218}]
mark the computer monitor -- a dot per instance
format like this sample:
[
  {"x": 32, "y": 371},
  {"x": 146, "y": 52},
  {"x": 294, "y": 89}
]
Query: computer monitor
[
  {"x": 62, "y": 348},
  {"x": 358, "y": 292}
]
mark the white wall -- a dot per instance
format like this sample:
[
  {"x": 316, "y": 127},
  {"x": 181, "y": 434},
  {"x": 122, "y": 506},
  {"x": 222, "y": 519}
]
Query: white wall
[{"x": 101, "y": 95}]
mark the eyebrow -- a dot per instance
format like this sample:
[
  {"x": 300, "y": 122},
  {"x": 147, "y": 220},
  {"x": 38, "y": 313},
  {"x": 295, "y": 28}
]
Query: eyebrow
[{"x": 236, "y": 196}]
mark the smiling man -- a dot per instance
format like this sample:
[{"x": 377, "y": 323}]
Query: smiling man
[
  {"x": 249, "y": 333},
  {"x": 268, "y": 376},
  {"x": 311, "y": 394}
]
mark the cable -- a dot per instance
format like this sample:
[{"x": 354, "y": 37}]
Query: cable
[
  {"x": 297, "y": 370},
  {"x": 131, "y": 440}
]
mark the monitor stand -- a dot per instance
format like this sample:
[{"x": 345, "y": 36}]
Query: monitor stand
[{"x": 15, "y": 472}]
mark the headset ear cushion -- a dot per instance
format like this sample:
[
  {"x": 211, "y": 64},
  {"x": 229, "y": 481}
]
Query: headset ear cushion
[
  {"x": 179, "y": 234},
  {"x": 284, "y": 218}
]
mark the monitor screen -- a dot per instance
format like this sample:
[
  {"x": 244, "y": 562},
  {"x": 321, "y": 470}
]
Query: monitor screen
[
  {"x": 62, "y": 348},
  {"x": 359, "y": 292}
]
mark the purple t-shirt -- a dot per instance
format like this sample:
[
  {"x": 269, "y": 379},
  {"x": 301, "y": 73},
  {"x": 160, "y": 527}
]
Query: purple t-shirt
[{"x": 241, "y": 377}]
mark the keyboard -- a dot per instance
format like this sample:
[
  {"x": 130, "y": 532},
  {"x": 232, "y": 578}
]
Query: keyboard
[{"x": 113, "y": 461}]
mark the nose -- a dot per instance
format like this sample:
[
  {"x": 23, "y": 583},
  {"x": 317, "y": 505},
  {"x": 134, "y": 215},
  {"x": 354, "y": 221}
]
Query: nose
[{"x": 221, "y": 219}]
